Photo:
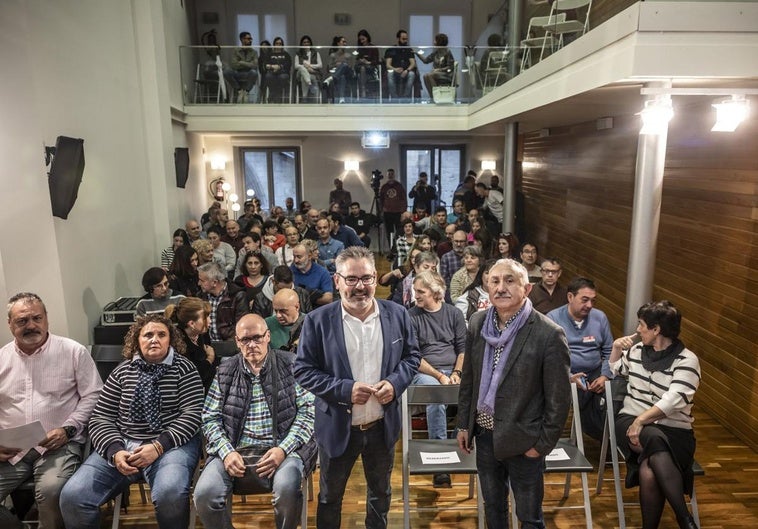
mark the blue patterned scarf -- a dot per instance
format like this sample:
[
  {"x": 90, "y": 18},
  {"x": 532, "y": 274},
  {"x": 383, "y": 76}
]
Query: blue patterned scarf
[
  {"x": 146, "y": 401},
  {"x": 492, "y": 374}
]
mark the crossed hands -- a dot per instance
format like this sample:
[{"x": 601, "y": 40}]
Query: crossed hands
[{"x": 382, "y": 390}]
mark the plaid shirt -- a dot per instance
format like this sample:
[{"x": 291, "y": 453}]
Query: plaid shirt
[
  {"x": 257, "y": 430},
  {"x": 214, "y": 301}
]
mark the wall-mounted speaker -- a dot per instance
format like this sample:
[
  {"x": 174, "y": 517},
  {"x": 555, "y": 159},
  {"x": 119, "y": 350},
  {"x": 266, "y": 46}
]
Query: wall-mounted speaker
[
  {"x": 65, "y": 174},
  {"x": 181, "y": 164}
]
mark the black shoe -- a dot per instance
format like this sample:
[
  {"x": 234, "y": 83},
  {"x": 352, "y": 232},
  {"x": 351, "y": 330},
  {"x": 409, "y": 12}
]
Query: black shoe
[
  {"x": 442, "y": 481},
  {"x": 689, "y": 523}
]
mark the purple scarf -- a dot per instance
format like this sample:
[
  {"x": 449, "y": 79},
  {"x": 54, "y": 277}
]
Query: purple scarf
[{"x": 491, "y": 377}]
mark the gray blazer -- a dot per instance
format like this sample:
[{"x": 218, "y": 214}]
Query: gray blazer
[{"x": 533, "y": 399}]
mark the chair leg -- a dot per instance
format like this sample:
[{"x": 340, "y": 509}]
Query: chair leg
[
  {"x": 693, "y": 504},
  {"x": 587, "y": 506},
  {"x": 603, "y": 458},
  {"x": 117, "y": 511}
]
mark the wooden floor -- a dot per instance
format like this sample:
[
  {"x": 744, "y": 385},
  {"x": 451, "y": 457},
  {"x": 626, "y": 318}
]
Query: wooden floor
[{"x": 727, "y": 495}]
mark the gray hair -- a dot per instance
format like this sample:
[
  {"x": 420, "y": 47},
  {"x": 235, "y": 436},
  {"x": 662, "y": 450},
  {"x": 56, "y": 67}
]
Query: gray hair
[
  {"x": 426, "y": 257},
  {"x": 473, "y": 251},
  {"x": 213, "y": 270},
  {"x": 25, "y": 297},
  {"x": 433, "y": 281},
  {"x": 354, "y": 253},
  {"x": 517, "y": 269}
]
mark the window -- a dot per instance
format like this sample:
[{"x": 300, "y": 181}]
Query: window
[
  {"x": 263, "y": 26},
  {"x": 443, "y": 164},
  {"x": 423, "y": 28},
  {"x": 265, "y": 166}
]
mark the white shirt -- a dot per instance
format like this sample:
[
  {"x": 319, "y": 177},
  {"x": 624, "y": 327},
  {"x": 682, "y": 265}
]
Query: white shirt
[
  {"x": 494, "y": 203},
  {"x": 364, "y": 345}
]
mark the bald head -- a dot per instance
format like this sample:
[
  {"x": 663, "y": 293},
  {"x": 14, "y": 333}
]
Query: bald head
[
  {"x": 250, "y": 321},
  {"x": 252, "y": 337},
  {"x": 286, "y": 305}
]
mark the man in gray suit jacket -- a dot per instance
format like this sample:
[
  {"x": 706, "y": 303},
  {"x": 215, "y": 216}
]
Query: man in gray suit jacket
[{"x": 514, "y": 396}]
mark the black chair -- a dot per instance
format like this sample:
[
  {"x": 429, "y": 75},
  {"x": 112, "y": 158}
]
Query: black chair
[
  {"x": 106, "y": 358},
  {"x": 225, "y": 348}
]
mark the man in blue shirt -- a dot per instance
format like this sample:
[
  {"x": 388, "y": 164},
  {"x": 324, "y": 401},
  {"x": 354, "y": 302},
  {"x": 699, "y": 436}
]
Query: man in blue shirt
[
  {"x": 328, "y": 248},
  {"x": 345, "y": 234},
  {"x": 311, "y": 276},
  {"x": 589, "y": 338}
]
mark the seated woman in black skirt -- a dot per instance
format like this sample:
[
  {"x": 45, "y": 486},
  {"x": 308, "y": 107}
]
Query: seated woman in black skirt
[{"x": 654, "y": 427}]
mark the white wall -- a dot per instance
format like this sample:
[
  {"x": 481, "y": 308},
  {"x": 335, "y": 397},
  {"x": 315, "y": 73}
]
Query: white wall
[{"x": 97, "y": 70}]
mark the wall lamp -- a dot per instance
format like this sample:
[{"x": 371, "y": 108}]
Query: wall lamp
[
  {"x": 218, "y": 164},
  {"x": 352, "y": 165},
  {"x": 489, "y": 165},
  {"x": 730, "y": 113}
]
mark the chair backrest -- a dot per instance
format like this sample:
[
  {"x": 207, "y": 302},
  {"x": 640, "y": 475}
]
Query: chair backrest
[
  {"x": 545, "y": 21},
  {"x": 497, "y": 60},
  {"x": 561, "y": 6},
  {"x": 106, "y": 358},
  {"x": 224, "y": 349}
]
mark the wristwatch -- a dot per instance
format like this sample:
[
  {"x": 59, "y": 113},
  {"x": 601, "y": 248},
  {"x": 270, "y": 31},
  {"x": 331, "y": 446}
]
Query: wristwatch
[{"x": 70, "y": 431}]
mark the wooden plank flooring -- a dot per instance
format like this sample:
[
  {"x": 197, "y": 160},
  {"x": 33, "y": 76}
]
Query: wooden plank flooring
[{"x": 727, "y": 495}]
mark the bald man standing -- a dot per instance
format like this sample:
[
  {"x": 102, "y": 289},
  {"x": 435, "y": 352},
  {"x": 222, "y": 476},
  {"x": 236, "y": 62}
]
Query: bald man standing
[{"x": 286, "y": 321}]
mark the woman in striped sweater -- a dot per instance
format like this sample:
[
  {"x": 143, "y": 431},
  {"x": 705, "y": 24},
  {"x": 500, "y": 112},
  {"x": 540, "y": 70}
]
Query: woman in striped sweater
[
  {"x": 654, "y": 427},
  {"x": 145, "y": 426}
]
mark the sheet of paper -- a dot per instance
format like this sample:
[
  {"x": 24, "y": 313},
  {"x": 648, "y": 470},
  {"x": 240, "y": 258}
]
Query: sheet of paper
[
  {"x": 23, "y": 437},
  {"x": 439, "y": 458},
  {"x": 558, "y": 454}
]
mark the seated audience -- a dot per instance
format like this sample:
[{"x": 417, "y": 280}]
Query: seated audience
[
  {"x": 404, "y": 294},
  {"x": 452, "y": 261},
  {"x": 277, "y": 65},
  {"x": 441, "y": 333},
  {"x": 339, "y": 196},
  {"x": 255, "y": 402},
  {"x": 531, "y": 261},
  {"x": 145, "y": 426},
  {"x": 311, "y": 275},
  {"x": 204, "y": 250},
  {"x": 472, "y": 261},
  {"x": 223, "y": 253},
  {"x": 443, "y": 64},
  {"x": 252, "y": 243},
  {"x": 233, "y": 235},
  {"x": 182, "y": 276},
  {"x": 284, "y": 254},
  {"x": 308, "y": 69},
  {"x": 272, "y": 236},
  {"x": 475, "y": 296},
  {"x": 280, "y": 278},
  {"x": 345, "y": 234},
  {"x": 242, "y": 73},
  {"x": 548, "y": 294},
  {"x": 404, "y": 242},
  {"x": 194, "y": 231},
  {"x": 328, "y": 247},
  {"x": 505, "y": 248},
  {"x": 180, "y": 238},
  {"x": 254, "y": 275},
  {"x": 401, "y": 67},
  {"x": 341, "y": 74},
  {"x": 446, "y": 244},
  {"x": 191, "y": 316},
  {"x": 285, "y": 323},
  {"x": 159, "y": 294},
  {"x": 361, "y": 222},
  {"x": 228, "y": 302}
]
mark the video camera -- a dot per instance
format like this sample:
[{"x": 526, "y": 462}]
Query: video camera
[{"x": 376, "y": 179}]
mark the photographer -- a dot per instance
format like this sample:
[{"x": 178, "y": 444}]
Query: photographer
[{"x": 422, "y": 193}]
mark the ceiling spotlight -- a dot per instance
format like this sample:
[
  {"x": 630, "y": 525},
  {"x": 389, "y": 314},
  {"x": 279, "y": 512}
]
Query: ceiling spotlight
[
  {"x": 656, "y": 115},
  {"x": 376, "y": 139},
  {"x": 730, "y": 113}
]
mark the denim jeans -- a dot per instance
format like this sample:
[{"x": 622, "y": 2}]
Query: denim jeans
[
  {"x": 50, "y": 472},
  {"x": 214, "y": 487},
  {"x": 400, "y": 86},
  {"x": 97, "y": 481},
  {"x": 525, "y": 475},
  {"x": 436, "y": 414},
  {"x": 377, "y": 467},
  {"x": 342, "y": 75}
]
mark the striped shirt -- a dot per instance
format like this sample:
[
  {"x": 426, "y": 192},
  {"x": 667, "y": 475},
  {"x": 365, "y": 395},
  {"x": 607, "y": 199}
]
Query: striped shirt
[
  {"x": 258, "y": 427},
  {"x": 181, "y": 406},
  {"x": 672, "y": 390}
]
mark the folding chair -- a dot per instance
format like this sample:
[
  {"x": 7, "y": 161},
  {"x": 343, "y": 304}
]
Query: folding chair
[
  {"x": 560, "y": 28},
  {"x": 534, "y": 41},
  {"x": 495, "y": 72},
  {"x": 413, "y": 448},
  {"x": 615, "y": 392},
  {"x": 208, "y": 76},
  {"x": 445, "y": 95}
]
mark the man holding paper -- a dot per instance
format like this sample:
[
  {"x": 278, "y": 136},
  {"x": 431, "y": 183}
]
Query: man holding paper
[{"x": 53, "y": 380}]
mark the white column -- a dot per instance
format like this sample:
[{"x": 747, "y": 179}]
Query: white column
[{"x": 509, "y": 176}]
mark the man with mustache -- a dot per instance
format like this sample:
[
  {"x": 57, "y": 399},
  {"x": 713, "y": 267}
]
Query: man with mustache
[
  {"x": 46, "y": 378},
  {"x": 357, "y": 357},
  {"x": 514, "y": 396}
]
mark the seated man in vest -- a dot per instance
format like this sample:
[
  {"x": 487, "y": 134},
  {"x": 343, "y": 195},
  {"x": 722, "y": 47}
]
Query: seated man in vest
[
  {"x": 286, "y": 321},
  {"x": 241, "y": 411}
]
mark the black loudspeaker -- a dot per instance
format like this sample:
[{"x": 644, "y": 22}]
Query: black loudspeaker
[
  {"x": 181, "y": 163},
  {"x": 66, "y": 174}
]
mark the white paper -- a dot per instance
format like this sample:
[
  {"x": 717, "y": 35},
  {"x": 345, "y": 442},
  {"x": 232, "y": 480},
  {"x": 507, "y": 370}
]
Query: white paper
[
  {"x": 23, "y": 437},
  {"x": 439, "y": 458},
  {"x": 558, "y": 454}
]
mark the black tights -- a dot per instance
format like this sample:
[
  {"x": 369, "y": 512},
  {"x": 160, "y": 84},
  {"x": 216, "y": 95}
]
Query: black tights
[{"x": 660, "y": 481}]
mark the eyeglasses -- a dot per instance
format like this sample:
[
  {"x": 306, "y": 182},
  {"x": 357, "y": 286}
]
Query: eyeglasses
[
  {"x": 256, "y": 338},
  {"x": 351, "y": 281}
]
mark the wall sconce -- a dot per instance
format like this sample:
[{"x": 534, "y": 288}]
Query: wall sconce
[
  {"x": 218, "y": 164},
  {"x": 656, "y": 115},
  {"x": 489, "y": 165},
  {"x": 730, "y": 113},
  {"x": 352, "y": 165}
]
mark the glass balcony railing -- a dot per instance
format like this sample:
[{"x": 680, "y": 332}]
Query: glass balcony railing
[{"x": 322, "y": 75}]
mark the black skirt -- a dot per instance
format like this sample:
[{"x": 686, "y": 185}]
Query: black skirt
[{"x": 657, "y": 438}]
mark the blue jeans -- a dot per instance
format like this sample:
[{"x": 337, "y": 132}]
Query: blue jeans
[
  {"x": 395, "y": 82},
  {"x": 342, "y": 74},
  {"x": 97, "y": 481},
  {"x": 49, "y": 472},
  {"x": 436, "y": 414},
  {"x": 214, "y": 487},
  {"x": 526, "y": 476},
  {"x": 377, "y": 467}
]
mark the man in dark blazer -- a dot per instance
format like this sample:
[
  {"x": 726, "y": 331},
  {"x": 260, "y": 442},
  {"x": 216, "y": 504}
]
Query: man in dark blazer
[
  {"x": 514, "y": 396},
  {"x": 357, "y": 357}
]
